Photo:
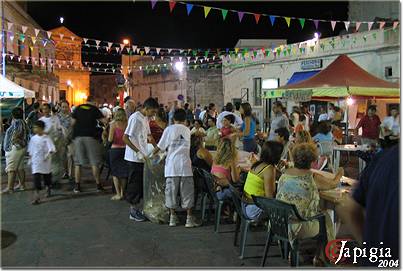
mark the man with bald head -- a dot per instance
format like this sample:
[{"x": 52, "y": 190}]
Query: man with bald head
[{"x": 130, "y": 107}]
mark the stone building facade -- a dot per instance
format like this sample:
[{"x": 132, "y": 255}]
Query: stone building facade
[
  {"x": 104, "y": 88},
  {"x": 197, "y": 86},
  {"x": 29, "y": 53},
  {"x": 74, "y": 83}
]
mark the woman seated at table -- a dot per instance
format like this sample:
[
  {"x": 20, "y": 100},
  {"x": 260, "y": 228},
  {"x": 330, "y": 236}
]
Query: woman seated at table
[
  {"x": 300, "y": 186},
  {"x": 225, "y": 168},
  {"x": 200, "y": 156},
  {"x": 261, "y": 179},
  {"x": 324, "y": 132}
]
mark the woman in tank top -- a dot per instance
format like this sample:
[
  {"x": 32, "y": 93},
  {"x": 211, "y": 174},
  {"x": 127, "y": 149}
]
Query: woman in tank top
[{"x": 119, "y": 168}]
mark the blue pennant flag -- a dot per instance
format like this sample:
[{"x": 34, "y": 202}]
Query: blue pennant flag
[
  {"x": 272, "y": 19},
  {"x": 189, "y": 8}
]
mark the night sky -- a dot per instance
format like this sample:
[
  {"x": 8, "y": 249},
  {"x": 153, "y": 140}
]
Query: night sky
[{"x": 112, "y": 21}]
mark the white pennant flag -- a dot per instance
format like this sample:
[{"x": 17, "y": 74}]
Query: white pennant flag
[
  {"x": 97, "y": 69},
  {"x": 333, "y": 23},
  {"x": 162, "y": 58},
  {"x": 85, "y": 40},
  {"x": 36, "y": 32},
  {"x": 113, "y": 70},
  {"x": 105, "y": 70},
  {"x": 24, "y": 29},
  {"x": 213, "y": 58},
  {"x": 395, "y": 24},
  {"x": 188, "y": 59},
  {"x": 158, "y": 50},
  {"x": 71, "y": 62},
  {"x": 181, "y": 51},
  {"x": 27, "y": 59},
  {"x": 117, "y": 49},
  {"x": 147, "y": 49},
  {"x": 172, "y": 58},
  {"x": 97, "y": 42},
  {"x": 59, "y": 66},
  {"x": 138, "y": 50},
  {"x": 72, "y": 38},
  {"x": 109, "y": 45},
  {"x": 347, "y": 24},
  {"x": 11, "y": 57},
  {"x": 86, "y": 63},
  {"x": 49, "y": 34},
  {"x": 197, "y": 58},
  {"x": 9, "y": 25},
  {"x": 97, "y": 46},
  {"x": 180, "y": 59},
  {"x": 19, "y": 59},
  {"x": 370, "y": 25},
  {"x": 61, "y": 36},
  {"x": 357, "y": 26},
  {"x": 134, "y": 47},
  {"x": 11, "y": 37},
  {"x": 122, "y": 46},
  {"x": 153, "y": 57},
  {"x": 169, "y": 51}
]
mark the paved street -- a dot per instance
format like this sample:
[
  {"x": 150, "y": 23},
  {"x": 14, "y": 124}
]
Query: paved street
[{"x": 90, "y": 230}]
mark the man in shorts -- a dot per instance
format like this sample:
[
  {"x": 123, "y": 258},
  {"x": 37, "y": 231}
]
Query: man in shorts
[{"x": 87, "y": 146}]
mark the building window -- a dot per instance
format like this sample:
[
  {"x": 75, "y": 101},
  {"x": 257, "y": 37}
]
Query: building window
[{"x": 257, "y": 91}]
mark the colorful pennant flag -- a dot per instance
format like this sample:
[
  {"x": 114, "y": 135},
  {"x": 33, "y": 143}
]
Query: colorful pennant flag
[
  {"x": 257, "y": 17},
  {"x": 370, "y": 25},
  {"x": 316, "y": 23},
  {"x": 287, "y": 20},
  {"x": 85, "y": 40},
  {"x": 36, "y": 32},
  {"x": 189, "y": 8},
  {"x": 24, "y": 29},
  {"x": 158, "y": 50},
  {"x": 153, "y": 2},
  {"x": 240, "y": 15},
  {"x": 302, "y": 22},
  {"x": 272, "y": 20},
  {"x": 395, "y": 24},
  {"x": 147, "y": 50},
  {"x": 346, "y": 25},
  {"x": 224, "y": 13},
  {"x": 333, "y": 23},
  {"x": 171, "y": 5},
  {"x": 206, "y": 11},
  {"x": 9, "y": 25},
  {"x": 357, "y": 26},
  {"x": 381, "y": 25},
  {"x": 49, "y": 34}
]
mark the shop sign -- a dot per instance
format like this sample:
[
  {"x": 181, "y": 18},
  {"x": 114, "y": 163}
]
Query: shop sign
[
  {"x": 311, "y": 64},
  {"x": 298, "y": 95}
]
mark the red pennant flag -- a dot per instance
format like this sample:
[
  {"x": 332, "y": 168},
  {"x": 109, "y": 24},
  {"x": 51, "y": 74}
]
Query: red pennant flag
[
  {"x": 171, "y": 5},
  {"x": 257, "y": 17}
]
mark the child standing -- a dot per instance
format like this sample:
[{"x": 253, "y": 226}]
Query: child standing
[
  {"x": 227, "y": 130},
  {"x": 178, "y": 168},
  {"x": 40, "y": 149}
]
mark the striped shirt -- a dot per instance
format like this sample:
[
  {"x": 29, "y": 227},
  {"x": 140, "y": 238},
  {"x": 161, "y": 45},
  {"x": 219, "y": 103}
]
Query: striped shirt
[{"x": 17, "y": 134}]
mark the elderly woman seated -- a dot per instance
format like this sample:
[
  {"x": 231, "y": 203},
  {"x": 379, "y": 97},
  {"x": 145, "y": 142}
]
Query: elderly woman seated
[
  {"x": 261, "y": 179},
  {"x": 300, "y": 186}
]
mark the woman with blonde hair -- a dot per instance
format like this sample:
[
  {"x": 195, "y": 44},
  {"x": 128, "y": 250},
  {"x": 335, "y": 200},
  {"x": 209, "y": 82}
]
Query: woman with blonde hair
[
  {"x": 119, "y": 167},
  {"x": 224, "y": 168}
]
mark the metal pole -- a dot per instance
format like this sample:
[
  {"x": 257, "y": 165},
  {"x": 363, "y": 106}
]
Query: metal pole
[{"x": 3, "y": 41}]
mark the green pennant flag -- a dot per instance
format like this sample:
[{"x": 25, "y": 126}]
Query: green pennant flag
[
  {"x": 302, "y": 22},
  {"x": 224, "y": 13},
  {"x": 194, "y": 52},
  {"x": 255, "y": 53},
  {"x": 278, "y": 51},
  {"x": 206, "y": 53},
  {"x": 289, "y": 51},
  {"x": 285, "y": 52},
  {"x": 301, "y": 50},
  {"x": 287, "y": 20},
  {"x": 312, "y": 48},
  {"x": 267, "y": 52}
]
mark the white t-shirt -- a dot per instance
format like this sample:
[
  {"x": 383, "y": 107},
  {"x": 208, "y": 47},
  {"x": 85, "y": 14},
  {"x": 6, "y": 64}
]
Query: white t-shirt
[
  {"x": 201, "y": 116},
  {"x": 39, "y": 148},
  {"x": 137, "y": 130},
  {"x": 392, "y": 124},
  {"x": 238, "y": 120},
  {"x": 52, "y": 123},
  {"x": 331, "y": 114},
  {"x": 200, "y": 130},
  {"x": 323, "y": 117},
  {"x": 176, "y": 138}
]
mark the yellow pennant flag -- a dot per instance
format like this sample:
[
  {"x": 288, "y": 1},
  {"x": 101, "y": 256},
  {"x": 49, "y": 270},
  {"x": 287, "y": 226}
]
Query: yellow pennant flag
[
  {"x": 206, "y": 11},
  {"x": 288, "y": 21},
  {"x": 236, "y": 50}
]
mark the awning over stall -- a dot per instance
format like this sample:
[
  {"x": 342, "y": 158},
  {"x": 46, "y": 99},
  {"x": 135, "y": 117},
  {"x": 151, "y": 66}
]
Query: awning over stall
[
  {"x": 9, "y": 89},
  {"x": 301, "y": 76},
  {"x": 342, "y": 78}
]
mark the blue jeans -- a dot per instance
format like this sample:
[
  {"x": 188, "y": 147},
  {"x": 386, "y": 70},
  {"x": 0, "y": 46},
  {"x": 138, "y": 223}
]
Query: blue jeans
[
  {"x": 224, "y": 194},
  {"x": 252, "y": 211}
]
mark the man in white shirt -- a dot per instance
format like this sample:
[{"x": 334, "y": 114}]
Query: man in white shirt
[
  {"x": 323, "y": 115},
  {"x": 390, "y": 127},
  {"x": 279, "y": 120},
  {"x": 229, "y": 108},
  {"x": 136, "y": 136},
  {"x": 330, "y": 115},
  {"x": 178, "y": 168}
]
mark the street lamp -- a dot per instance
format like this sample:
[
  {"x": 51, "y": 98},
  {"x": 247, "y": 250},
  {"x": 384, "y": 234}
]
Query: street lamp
[
  {"x": 179, "y": 66},
  {"x": 126, "y": 42}
]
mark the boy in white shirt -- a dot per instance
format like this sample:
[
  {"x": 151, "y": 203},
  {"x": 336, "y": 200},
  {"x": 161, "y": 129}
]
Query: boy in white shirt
[
  {"x": 178, "y": 168},
  {"x": 40, "y": 149},
  {"x": 136, "y": 136}
]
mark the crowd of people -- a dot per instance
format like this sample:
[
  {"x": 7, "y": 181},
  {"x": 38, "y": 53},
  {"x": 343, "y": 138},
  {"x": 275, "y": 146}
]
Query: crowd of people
[{"x": 60, "y": 140}]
